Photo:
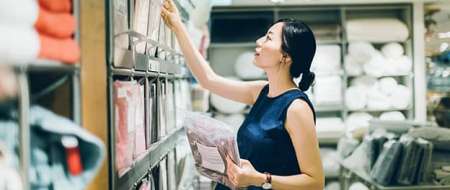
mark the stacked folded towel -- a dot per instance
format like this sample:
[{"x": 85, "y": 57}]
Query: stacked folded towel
[
  {"x": 363, "y": 58},
  {"x": 393, "y": 116},
  {"x": 386, "y": 93},
  {"x": 357, "y": 124},
  {"x": 330, "y": 127},
  {"x": 327, "y": 59},
  {"x": 378, "y": 30},
  {"x": 37, "y": 30},
  {"x": 328, "y": 90}
]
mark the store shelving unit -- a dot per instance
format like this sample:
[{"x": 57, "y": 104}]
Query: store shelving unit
[
  {"x": 166, "y": 66},
  {"x": 349, "y": 175},
  {"x": 25, "y": 100},
  {"x": 26, "y": 75}
]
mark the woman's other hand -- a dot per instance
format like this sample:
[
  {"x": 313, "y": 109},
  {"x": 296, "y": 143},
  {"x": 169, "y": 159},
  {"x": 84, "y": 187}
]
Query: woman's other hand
[
  {"x": 170, "y": 14},
  {"x": 244, "y": 176}
]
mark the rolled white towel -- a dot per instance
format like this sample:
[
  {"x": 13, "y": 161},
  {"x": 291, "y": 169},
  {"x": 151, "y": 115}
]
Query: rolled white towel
[
  {"x": 391, "y": 67},
  {"x": 352, "y": 66},
  {"x": 357, "y": 124},
  {"x": 393, "y": 116},
  {"x": 387, "y": 85},
  {"x": 358, "y": 186},
  {"x": 19, "y": 13},
  {"x": 379, "y": 30},
  {"x": 365, "y": 81},
  {"x": 361, "y": 51},
  {"x": 330, "y": 127},
  {"x": 403, "y": 65},
  {"x": 328, "y": 90},
  {"x": 400, "y": 98},
  {"x": 245, "y": 67},
  {"x": 329, "y": 162},
  {"x": 392, "y": 50},
  {"x": 333, "y": 186},
  {"x": 19, "y": 45},
  {"x": 327, "y": 59},
  {"x": 376, "y": 65},
  {"x": 356, "y": 97},
  {"x": 376, "y": 99},
  {"x": 225, "y": 105}
]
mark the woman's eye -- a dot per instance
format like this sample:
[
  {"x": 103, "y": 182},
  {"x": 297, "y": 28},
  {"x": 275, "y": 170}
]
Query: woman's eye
[{"x": 268, "y": 37}]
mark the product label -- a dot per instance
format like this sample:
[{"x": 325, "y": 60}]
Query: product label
[{"x": 211, "y": 158}]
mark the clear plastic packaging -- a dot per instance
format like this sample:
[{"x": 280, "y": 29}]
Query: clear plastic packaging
[{"x": 211, "y": 142}]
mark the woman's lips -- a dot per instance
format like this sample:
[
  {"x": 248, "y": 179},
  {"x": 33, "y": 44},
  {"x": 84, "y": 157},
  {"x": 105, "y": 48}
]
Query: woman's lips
[{"x": 257, "y": 52}]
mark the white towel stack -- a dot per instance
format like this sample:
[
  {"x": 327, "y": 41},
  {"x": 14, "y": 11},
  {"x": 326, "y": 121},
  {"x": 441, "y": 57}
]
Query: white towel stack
[
  {"x": 330, "y": 127},
  {"x": 327, "y": 59},
  {"x": 377, "y": 30},
  {"x": 386, "y": 93},
  {"x": 358, "y": 186},
  {"x": 393, "y": 116},
  {"x": 327, "y": 90},
  {"x": 18, "y": 38},
  {"x": 330, "y": 162},
  {"x": 357, "y": 124},
  {"x": 363, "y": 58},
  {"x": 356, "y": 97}
]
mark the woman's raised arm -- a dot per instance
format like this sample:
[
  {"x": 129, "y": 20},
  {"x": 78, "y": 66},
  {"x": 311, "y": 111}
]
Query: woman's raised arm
[{"x": 245, "y": 92}]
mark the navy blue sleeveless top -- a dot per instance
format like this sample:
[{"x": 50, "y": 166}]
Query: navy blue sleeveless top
[{"x": 262, "y": 138}]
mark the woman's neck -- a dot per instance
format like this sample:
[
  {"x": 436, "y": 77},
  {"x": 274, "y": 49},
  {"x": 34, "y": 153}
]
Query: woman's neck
[{"x": 279, "y": 82}]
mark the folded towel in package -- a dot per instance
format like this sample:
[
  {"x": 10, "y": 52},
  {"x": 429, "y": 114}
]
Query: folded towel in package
[
  {"x": 212, "y": 143},
  {"x": 387, "y": 163},
  {"x": 409, "y": 162},
  {"x": 440, "y": 137}
]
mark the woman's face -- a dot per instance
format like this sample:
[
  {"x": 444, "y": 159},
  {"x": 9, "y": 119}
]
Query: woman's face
[{"x": 268, "y": 51}]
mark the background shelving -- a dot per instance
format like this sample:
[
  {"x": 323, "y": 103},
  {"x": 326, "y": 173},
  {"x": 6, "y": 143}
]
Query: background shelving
[
  {"x": 161, "y": 68},
  {"x": 223, "y": 52}
]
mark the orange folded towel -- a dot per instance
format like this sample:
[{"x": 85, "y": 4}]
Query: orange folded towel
[
  {"x": 65, "y": 50},
  {"x": 58, "y": 25},
  {"x": 60, "y": 6}
]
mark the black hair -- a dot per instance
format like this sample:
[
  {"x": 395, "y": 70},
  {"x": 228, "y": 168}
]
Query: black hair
[{"x": 299, "y": 43}]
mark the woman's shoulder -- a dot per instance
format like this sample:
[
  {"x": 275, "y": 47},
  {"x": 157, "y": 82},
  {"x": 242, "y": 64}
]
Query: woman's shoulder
[
  {"x": 299, "y": 113},
  {"x": 257, "y": 88}
]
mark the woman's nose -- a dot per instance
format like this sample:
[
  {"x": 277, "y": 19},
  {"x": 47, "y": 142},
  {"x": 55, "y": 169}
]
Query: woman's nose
[{"x": 258, "y": 42}]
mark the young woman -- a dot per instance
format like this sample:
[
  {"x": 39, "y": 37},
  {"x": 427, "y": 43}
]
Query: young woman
[{"x": 277, "y": 141}]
